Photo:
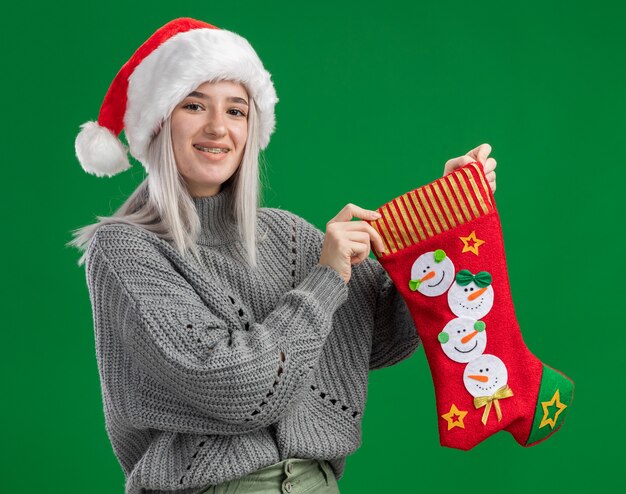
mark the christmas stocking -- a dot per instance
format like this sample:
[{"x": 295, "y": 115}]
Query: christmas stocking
[{"x": 445, "y": 254}]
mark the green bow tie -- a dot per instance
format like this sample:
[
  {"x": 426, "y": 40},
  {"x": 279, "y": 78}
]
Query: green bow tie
[
  {"x": 439, "y": 255},
  {"x": 414, "y": 284},
  {"x": 465, "y": 277}
]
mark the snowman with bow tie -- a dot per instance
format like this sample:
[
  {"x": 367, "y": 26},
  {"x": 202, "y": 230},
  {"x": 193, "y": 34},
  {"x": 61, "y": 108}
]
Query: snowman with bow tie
[{"x": 464, "y": 340}]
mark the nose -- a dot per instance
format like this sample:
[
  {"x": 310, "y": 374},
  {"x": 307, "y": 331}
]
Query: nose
[
  {"x": 468, "y": 337},
  {"x": 215, "y": 124},
  {"x": 482, "y": 379},
  {"x": 477, "y": 294},
  {"x": 431, "y": 274}
]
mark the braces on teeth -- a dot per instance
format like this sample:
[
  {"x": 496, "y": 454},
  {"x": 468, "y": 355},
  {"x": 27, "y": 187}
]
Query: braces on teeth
[{"x": 210, "y": 150}]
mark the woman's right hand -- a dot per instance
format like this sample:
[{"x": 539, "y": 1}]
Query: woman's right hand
[{"x": 347, "y": 242}]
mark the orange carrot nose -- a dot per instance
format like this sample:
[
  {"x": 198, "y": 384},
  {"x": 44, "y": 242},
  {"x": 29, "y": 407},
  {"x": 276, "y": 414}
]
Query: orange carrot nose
[
  {"x": 468, "y": 337},
  {"x": 482, "y": 379},
  {"x": 428, "y": 276},
  {"x": 477, "y": 293}
]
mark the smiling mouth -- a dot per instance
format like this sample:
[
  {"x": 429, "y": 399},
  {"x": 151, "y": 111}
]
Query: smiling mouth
[
  {"x": 469, "y": 307},
  {"x": 489, "y": 388},
  {"x": 211, "y": 150},
  {"x": 467, "y": 351},
  {"x": 442, "y": 277}
]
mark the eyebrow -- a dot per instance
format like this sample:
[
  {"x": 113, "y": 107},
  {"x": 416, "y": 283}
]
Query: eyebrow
[{"x": 233, "y": 99}]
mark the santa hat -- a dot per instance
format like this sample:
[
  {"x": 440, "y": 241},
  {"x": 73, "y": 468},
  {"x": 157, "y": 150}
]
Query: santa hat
[{"x": 169, "y": 65}]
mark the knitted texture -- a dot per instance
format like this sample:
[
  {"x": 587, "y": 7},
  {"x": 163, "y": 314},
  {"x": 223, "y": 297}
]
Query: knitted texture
[{"x": 210, "y": 372}]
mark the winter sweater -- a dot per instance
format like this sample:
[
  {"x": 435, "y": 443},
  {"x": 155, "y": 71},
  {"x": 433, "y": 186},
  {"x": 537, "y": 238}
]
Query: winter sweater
[{"x": 210, "y": 372}]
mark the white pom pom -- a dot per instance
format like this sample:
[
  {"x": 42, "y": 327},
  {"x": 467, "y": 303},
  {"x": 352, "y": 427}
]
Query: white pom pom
[{"x": 99, "y": 151}]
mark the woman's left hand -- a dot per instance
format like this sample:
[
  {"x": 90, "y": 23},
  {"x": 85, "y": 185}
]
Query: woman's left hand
[{"x": 481, "y": 153}]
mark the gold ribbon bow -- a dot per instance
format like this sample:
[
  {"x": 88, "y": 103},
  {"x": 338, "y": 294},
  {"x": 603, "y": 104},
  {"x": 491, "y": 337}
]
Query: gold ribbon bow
[{"x": 481, "y": 401}]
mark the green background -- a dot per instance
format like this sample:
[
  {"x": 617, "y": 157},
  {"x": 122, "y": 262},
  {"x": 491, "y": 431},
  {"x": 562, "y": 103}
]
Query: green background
[{"x": 374, "y": 98}]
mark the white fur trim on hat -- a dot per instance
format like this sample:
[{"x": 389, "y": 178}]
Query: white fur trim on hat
[
  {"x": 99, "y": 151},
  {"x": 181, "y": 64}
]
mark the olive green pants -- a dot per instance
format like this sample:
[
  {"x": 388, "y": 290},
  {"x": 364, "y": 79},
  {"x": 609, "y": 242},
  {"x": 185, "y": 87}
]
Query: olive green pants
[{"x": 291, "y": 476}]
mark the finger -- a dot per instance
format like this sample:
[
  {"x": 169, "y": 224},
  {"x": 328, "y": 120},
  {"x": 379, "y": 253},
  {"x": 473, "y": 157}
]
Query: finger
[
  {"x": 358, "y": 236},
  {"x": 346, "y": 240},
  {"x": 491, "y": 177},
  {"x": 373, "y": 235},
  {"x": 350, "y": 211},
  {"x": 358, "y": 251},
  {"x": 480, "y": 153},
  {"x": 490, "y": 165},
  {"x": 455, "y": 163}
]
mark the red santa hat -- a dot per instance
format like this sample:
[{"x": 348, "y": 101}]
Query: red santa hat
[{"x": 170, "y": 64}]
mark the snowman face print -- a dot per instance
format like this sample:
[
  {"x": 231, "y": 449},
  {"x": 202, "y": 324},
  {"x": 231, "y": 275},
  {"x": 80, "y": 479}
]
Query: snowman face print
[
  {"x": 471, "y": 295},
  {"x": 484, "y": 375},
  {"x": 463, "y": 339},
  {"x": 432, "y": 273}
]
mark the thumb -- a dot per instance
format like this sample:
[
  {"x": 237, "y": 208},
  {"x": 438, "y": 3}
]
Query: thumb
[{"x": 481, "y": 153}]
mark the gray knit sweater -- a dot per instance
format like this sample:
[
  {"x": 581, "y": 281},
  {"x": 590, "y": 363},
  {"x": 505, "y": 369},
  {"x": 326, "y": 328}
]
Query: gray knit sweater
[{"x": 211, "y": 372}]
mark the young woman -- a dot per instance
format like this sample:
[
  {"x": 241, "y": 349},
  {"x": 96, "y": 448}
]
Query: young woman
[{"x": 233, "y": 342}]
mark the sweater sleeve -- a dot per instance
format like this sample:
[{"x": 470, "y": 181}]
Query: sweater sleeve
[
  {"x": 189, "y": 360},
  {"x": 395, "y": 337},
  {"x": 394, "y": 334}
]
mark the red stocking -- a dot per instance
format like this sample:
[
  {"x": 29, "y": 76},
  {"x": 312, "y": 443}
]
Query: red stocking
[{"x": 445, "y": 254}]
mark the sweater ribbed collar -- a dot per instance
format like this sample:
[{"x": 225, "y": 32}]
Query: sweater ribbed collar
[{"x": 217, "y": 220}]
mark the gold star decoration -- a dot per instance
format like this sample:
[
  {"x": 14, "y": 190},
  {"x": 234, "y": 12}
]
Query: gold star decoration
[
  {"x": 454, "y": 417},
  {"x": 467, "y": 247},
  {"x": 555, "y": 401}
]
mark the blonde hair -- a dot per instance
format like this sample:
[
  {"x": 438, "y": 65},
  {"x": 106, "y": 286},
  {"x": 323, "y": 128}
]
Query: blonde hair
[{"x": 163, "y": 205}]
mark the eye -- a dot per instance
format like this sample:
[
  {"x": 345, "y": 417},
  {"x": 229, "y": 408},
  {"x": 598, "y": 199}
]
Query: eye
[
  {"x": 193, "y": 106},
  {"x": 238, "y": 113},
  {"x": 465, "y": 289},
  {"x": 471, "y": 289}
]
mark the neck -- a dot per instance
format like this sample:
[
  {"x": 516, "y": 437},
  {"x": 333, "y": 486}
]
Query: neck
[{"x": 217, "y": 220}]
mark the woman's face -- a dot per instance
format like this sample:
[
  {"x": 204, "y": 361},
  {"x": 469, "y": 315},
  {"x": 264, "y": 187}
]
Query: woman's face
[{"x": 209, "y": 132}]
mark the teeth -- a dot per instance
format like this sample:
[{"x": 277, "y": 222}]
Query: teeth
[{"x": 210, "y": 150}]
